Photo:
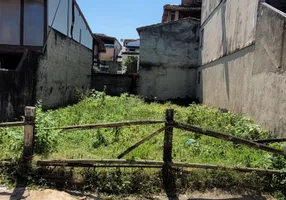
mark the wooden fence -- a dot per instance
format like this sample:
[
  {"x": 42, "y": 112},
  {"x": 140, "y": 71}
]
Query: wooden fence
[{"x": 167, "y": 164}]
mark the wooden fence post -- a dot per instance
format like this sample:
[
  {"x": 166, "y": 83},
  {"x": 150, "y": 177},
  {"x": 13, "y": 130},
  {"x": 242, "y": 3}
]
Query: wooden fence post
[
  {"x": 168, "y": 173},
  {"x": 29, "y": 132},
  {"x": 168, "y": 139}
]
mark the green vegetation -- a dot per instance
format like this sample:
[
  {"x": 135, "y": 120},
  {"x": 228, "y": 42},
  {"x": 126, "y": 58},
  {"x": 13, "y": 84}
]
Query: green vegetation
[
  {"x": 109, "y": 143},
  {"x": 131, "y": 64}
]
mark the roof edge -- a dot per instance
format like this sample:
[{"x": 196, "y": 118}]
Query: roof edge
[{"x": 168, "y": 23}]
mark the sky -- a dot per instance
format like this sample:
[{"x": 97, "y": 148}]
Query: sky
[{"x": 120, "y": 18}]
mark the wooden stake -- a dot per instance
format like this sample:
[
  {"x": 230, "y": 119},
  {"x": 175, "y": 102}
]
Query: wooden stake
[
  {"x": 29, "y": 128},
  {"x": 142, "y": 142},
  {"x": 168, "y": 174},
  {"x": 168, "y": 139}
]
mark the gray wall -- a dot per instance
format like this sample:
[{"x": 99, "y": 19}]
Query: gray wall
[
  {"x": 252, "y": 79},
  {"x": 168, "y": 59},
  {"x": 116, "y": 84},
  {"x": 208, "y": 6},
  {"x": 230, "y": 28},
  {"x": 17, "y": 89},
  {"x": 65, "y": 66}
]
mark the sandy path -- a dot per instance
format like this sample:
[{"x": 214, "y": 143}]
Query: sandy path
[{"x": 21, "y": 193}]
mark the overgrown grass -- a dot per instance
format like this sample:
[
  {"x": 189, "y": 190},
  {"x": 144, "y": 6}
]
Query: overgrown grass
[{"x": 109, "y": 143}]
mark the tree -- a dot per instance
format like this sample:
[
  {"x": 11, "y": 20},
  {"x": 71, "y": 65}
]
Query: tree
[{"x": 131, "y": 64}]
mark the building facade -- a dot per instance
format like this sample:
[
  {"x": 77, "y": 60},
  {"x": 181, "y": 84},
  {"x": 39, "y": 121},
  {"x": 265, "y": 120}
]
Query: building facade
[
  {"x": 188, "y": 8},
  {"x": 169, "y": 60},
  {"x": 242, "y": 58},
  {"x": 46, "y": 51},
  {"x": 109, "y": 59},
  {"x": 131, "y": 49}
]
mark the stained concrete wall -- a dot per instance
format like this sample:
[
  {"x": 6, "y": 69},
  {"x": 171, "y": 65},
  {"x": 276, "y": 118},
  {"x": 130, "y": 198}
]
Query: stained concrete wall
[
  {"x": 116, "y": 84},
  {"x": 252, "y": 80},
  {"x": 231, "y": 27},
  {"x": 17, "y": 89},
  {"x": 225, "y": 82},
  {"x": 208, "y": 7},
  {"x": 168, "y": 59},
  {"x": 65, "y": 66}
]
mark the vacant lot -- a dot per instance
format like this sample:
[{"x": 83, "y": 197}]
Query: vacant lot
[{"x": 109, "y": 143}]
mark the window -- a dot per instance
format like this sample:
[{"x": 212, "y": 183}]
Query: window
[
  {"x": 109, "y": 45},
  {"x": 133, "y": 50},
  {"x": 173, "y": 16},
  {"x": 10, "y": 22},
  {"x": 202, "y": 38}
]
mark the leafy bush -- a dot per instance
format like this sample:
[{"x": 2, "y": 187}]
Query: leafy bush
[{"x": 131, "y": 64}]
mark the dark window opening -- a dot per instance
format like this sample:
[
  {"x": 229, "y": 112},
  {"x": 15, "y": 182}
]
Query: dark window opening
[
  {"x": 133, "y": 50},
  {"x": 10, "y": 61},
  {"x": 173, "y": 16},
  {"x": 202, "y": 38},
  {"x": 199, "y": 77}
]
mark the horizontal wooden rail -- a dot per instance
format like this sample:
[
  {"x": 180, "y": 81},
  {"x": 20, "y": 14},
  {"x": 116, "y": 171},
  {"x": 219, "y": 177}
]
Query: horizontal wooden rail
[
  {"x": 11, "y": 124},
  {"x": 144, "y": 164},
  {"x": 227, "y": 137},
  {"x": 274, "y": 140},
  {"x": 107, "y": 125}
]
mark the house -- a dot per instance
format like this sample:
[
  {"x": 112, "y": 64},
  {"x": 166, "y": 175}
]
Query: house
[
  {"x": 46, "y": 52},
  {"x": 188, "y": 8},
  {"x": 169, "y": 57},
  {"x": 98, "y": 48},
  {"x": 109, "y": 59},
  {"x": 169, "y": 53},
  {"x": 131, "y": 49},
  {"x": 242, "y": 59}
]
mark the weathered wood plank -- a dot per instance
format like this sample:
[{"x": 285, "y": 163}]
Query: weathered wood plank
[
  {"x": 230, "y": 138},
  {"x": 29, "y": 128},
  {"x": 142, "y": 142},
  {"x": 274, "y": 140},
  {"x": 107, "y": 125},
  {"x": 11, "y": 124},
  {"x": 168, "y": 137},
  {"x": 142, "y": 163}
]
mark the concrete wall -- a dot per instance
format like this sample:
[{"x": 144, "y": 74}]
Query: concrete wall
[
  {"x": 116, "y": 84},
  {"x": 208, "y": 6},
  {"x": 168, "y": 59},
  {"x": 268, "y": 81},
  {"x": 252, "y": 80},
  {"x": 17, "y": 89},
  {"x": 225, "y": 82},
  {"x": 231, "y": 27},
  {"x": 65, "y": 66}
]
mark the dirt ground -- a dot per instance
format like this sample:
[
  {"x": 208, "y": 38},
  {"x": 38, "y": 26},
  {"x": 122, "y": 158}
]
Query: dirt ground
[{"x": 47, "y": 194}]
